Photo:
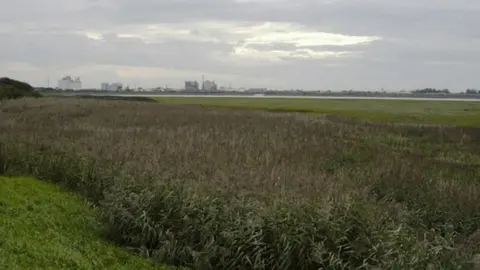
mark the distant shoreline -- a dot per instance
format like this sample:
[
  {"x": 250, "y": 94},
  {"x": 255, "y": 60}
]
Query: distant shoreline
[{"x": 386, "y": 96}]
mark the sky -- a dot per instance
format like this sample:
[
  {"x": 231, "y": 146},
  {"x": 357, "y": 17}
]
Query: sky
[{"x": 281, "y": 44}]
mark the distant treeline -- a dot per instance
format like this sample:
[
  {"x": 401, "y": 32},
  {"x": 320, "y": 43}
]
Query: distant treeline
[
  {"x": 431, "y": 90},
  {"x": 472, "y": 91}
]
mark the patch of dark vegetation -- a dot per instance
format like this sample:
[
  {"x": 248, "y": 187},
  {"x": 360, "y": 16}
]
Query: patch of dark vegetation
[
  {"x": 127, "y": 98},
  {"x": 13, "y": 89},
  {"x": 286, "y": 110},
  {"x": 2, "y": 164},
  {"x": 214, "y": 188}
]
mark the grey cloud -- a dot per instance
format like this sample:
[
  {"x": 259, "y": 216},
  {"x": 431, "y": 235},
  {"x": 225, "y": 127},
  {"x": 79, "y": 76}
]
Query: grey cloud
[
  {"x": 424, "y": 43},
  {"x": 112, "y": 50},
  {"x": 384, "y": 18}
]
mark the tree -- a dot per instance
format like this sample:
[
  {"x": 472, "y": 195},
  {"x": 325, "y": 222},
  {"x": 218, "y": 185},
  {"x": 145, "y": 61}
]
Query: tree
[{"x": 471, "y": 91}]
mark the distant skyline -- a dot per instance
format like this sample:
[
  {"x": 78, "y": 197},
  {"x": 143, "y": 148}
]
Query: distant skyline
[{"x": 284, "y": 44}]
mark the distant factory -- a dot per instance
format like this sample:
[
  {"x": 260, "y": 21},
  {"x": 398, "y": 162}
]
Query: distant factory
[
  {"x": 68, "y": 83},
  {"x": 191, "y": 86},
  {"x": 111, "y": 86},
  {"x": 209, "y": 86}
]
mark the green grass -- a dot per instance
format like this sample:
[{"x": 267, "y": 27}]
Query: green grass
[
  {"x": 460, "y": 113},
  {"x": 42, "y": 227}
]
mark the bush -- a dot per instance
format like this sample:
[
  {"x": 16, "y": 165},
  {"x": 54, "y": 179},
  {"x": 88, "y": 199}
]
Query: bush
[{"x": 12, "y": 89}]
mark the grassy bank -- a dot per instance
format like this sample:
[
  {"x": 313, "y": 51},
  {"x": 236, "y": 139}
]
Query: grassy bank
[
  {"x": 42, "y": 227},
  {"x": 212, "y": 188},
  {"x": 461, "y": 113}
]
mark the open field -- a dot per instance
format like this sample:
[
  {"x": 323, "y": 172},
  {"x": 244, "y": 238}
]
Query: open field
[
  {"x": 462, "y": 113},
  {"x": 42, "y": 227},
  {"x": 213, "y": 188}
]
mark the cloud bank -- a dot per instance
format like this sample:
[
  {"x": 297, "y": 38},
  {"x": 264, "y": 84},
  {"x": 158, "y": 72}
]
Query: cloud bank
[{"x": 307, "y": 44}]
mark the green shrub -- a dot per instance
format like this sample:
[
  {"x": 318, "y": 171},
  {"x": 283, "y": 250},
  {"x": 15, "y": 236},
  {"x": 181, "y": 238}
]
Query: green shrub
[{"x": 12, "y": 89}]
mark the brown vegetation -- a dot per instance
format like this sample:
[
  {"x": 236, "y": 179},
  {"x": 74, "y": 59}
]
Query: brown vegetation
[{"x": 231, "y": 189}]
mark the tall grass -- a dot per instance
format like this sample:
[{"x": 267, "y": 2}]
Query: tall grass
[{"x": 233, "y": 189}]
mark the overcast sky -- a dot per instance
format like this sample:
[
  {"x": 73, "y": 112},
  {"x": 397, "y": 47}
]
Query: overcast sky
[{"x": 306, "y": 44}]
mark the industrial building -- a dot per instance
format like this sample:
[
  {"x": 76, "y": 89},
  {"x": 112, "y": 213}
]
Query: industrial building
[
  {"x": 112, "y": 86},
  {"x": 191, "y": 86},
  {"x": 68, "y": 83},
  {"x": 209, "y": 86}
]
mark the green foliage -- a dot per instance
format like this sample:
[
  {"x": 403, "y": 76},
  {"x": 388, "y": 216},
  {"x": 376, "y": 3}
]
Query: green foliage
[
  {"x": 42, "y": 227},
  {"x": 472, "y": 91},
  {"x": 12, "y": 89},
  {"x": 431, "y": 91},
  {"x": 209, "y": 188}
]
